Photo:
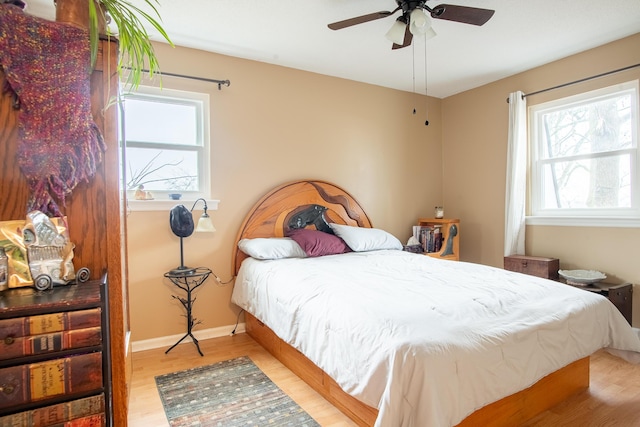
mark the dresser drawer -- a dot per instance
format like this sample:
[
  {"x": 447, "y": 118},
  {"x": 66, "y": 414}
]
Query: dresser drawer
[
  {"x": 14, "y": 347},
  {"x": 48, "y": 323},
  {"x": 87, "y": 411},
  {"x": 533, "y": 265},
  {"x": 42, "y": 381}
]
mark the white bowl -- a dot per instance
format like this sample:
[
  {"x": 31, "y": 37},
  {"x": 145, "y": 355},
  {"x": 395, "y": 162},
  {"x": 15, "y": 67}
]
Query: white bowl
[{"x": 582, "y": 276}]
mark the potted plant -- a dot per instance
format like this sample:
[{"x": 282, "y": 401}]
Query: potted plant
[{"x": 137, "y": 54}]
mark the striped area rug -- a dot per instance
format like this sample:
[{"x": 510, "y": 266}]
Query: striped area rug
[{"x": 230, "y": 393}]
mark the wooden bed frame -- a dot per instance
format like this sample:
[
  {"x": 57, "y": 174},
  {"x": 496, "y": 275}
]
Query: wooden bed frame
[{"x": 269, "y": 218}]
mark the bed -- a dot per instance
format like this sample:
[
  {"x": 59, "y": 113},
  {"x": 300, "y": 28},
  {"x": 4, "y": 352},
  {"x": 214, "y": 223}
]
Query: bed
[{"x": 389, "y": 351}]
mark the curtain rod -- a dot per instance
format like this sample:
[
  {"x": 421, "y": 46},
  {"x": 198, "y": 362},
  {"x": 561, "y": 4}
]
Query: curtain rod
[
  {"x": 580, "y": 81},
  {"x": 204, "y": 79}
]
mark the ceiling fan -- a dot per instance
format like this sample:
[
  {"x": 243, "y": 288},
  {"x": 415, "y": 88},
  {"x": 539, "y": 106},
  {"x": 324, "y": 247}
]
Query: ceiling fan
[{"x": 414, "y": 20}]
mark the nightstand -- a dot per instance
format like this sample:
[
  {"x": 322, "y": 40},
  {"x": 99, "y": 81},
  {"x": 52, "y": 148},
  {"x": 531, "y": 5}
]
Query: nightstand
[
  {"x": 188, "y": 280},
  {"x": 450, "y": 229},
  {"x": 619, "y": 295}
]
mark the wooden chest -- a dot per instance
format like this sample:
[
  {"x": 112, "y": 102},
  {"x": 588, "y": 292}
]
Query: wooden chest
[{"x": 533, "y": 265}]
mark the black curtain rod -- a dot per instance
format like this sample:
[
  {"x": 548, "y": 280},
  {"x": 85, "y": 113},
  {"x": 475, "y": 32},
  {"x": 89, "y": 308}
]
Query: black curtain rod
[
  {"x": 204, "y": 79},
  {"x": 580, "y": 81}
]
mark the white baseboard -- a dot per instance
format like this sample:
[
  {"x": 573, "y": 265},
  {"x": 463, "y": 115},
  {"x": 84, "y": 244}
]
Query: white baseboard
[{"x": 201, "y": 334}]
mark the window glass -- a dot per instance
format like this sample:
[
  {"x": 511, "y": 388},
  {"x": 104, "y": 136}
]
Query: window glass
[
  {"x": 167, "y": 142},
  {"x": 584, "y": 154},
  {"x": 162, "y": 170},
  {"x": 160, "y": 120}
]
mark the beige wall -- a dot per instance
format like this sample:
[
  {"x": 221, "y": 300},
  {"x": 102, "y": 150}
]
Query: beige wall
[
  {"x": 474, "y": 139},
  {"x": 274, "y": 125}
]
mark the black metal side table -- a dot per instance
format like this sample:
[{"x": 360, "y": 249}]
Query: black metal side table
[{"x": 188, "y": 280}]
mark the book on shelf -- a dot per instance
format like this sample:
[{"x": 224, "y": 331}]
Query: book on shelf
[
  {"x": 12, "y": 347},
  {"x": 429, "y": 236},
  {"x": 43, "y": 380},
  {"x": 48, "y": 323},
  {"x": 59, "y": 414}
]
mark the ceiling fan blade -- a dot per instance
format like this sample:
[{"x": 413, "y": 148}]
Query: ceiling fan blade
[
  {"x": 361, "y": 19},
  {"x": 464, "y": 14},
  {"x": 408, "y": 37}
]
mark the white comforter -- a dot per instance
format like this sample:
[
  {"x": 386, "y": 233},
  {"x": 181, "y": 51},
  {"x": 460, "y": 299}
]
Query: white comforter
[{"x": 427, "y": 341}]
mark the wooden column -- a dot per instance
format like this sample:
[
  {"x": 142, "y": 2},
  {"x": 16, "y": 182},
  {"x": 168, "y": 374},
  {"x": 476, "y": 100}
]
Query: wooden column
[{"x": 94, "y": 210}]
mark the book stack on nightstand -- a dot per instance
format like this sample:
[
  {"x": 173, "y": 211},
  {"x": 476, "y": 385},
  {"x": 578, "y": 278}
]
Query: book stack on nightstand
[{"x": 447, "y": 246}]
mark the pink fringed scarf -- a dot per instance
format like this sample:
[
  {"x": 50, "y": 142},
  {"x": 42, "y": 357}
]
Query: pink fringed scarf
[{"x": 47, "y": 64}]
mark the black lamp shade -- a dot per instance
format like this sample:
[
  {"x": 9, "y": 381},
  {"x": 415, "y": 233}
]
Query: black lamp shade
[{"x": 181, "y": 221}]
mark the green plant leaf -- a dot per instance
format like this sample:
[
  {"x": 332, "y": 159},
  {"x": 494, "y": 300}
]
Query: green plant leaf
[{"x": 137, "y": 53}]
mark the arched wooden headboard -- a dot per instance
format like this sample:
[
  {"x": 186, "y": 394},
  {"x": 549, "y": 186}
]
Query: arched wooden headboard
[{"x": 269, "y": 216}]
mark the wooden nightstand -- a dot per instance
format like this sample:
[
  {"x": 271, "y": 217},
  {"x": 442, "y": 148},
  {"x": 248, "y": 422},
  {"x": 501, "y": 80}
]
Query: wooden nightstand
[
  {"x": 450, "y": 229},
  {"x": 619, "y": 295}
]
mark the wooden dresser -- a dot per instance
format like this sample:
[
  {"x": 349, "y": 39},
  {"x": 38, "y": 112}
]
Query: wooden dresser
[{"x": 54, "y": 364}]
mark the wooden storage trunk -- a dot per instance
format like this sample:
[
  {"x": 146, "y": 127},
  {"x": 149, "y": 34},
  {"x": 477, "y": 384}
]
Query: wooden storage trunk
[{"x": 533, "y": 265}]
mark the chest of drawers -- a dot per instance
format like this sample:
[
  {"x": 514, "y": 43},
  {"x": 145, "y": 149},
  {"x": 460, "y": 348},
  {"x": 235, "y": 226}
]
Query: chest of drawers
[
  {"x": 620, "y": 295},
  {"x": 54, "y": 364}
]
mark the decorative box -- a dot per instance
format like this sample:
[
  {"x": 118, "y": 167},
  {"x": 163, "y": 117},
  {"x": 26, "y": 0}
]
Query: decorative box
[{"x": 533, "y": 265}]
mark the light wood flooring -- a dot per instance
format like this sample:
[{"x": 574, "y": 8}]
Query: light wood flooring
[{"x": 613, "y": 398}]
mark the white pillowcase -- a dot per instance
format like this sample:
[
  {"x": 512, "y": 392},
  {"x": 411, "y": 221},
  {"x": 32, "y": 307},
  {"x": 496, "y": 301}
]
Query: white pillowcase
[
  {"x": 271, "y": 248},
  {"x": 361, "y": 239}
]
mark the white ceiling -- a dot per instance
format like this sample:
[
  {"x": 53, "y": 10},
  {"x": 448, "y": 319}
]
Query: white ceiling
[{"x": 521, "y": 35}]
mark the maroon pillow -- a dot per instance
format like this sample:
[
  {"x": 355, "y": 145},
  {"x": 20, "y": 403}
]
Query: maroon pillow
[{"x": 317, "y": 243}]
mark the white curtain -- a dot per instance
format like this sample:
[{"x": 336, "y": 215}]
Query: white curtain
[{"x": 516, "y": 176}]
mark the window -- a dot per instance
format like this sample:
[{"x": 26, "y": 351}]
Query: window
[
  {"x": 585, "y": 155},
  {"x": 167, "y": 142}
]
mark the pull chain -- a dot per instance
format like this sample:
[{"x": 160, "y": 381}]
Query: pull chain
[
  {"x": 426, "y": 96},
  {"x": 413, "y": 70}
]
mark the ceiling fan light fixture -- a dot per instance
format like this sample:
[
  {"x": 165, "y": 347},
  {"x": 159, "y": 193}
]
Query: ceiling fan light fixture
[
  {"x": 429, "y": 34},
  {"x": 396, "y": 32},
  {"x": 419, "y": 22}
]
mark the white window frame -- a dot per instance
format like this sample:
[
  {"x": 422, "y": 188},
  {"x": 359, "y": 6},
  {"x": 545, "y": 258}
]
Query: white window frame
[
  {"x": 161, "y": 199},
  {"x": 616, "y": 217}
]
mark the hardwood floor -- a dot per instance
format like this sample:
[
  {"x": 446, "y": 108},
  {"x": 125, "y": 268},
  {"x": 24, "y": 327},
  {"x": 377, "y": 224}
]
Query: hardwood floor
[
  {"x": 145, "y": 408},
  {"x": 613, "y": 398}
]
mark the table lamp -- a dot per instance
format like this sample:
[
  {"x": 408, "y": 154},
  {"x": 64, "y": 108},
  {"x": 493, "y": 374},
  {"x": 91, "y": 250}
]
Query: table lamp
[{"x": 181, "y": 222}]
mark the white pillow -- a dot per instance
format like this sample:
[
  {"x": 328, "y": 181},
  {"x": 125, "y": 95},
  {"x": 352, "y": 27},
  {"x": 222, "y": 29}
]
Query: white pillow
[
  {"x": 271, "y": 248},
  {"x": 361, "y": 239}
]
